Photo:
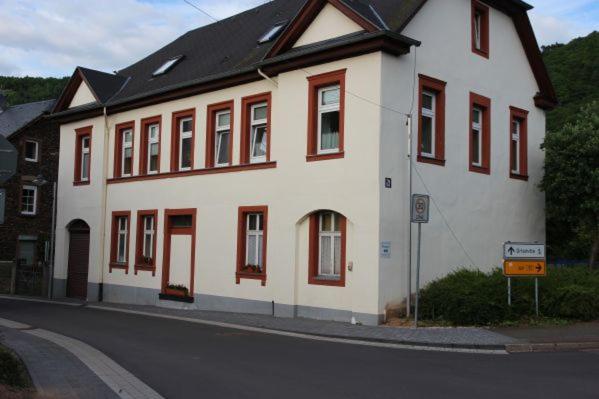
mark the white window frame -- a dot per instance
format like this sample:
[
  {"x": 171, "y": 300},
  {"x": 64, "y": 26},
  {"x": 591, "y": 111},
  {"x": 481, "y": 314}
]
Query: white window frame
[
  {"x": 125, "y": 145},
  {"x": 323, "y": 109},
  {"x": 258, "y": 233},
  {"x": 148, "y": 232},
  {"x": 218, "y": 130},
  {"x": 255, "y": 124},
  {"x": 184, "y": 135},
  {"x": 34, "y": 211},
  {"x": 122, "y": 232},
  {"x": 478, "y": 126},
  {"x": 152, "y": 141},
  {"x": 516, "y": 136},
  {"x": 431, "y": 114},
  {"x": 37, "y": 146},
  {"x": 332, "y": 234},
  {"x": 85, "y": 151}
]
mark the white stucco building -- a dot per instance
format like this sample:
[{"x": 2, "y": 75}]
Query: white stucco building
[{"x": 260, "y": 164}]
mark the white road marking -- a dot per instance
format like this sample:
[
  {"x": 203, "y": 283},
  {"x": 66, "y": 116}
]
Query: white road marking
[{"x": 122, "y": 382}]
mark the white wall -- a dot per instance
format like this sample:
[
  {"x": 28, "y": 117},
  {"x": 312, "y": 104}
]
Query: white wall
[
  {"x": 483, "y": 210},
  {"x": 292, "y": 190},
  {"x": 328, "y": 24},
  {"x": 82, "y": 96}
]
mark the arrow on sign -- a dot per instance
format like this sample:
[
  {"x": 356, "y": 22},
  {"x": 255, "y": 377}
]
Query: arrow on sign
[{"x": 511, "y": 250}]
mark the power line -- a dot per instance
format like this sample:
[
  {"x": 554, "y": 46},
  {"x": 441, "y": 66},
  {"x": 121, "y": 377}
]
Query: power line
[{"x": 202, "y": 11}]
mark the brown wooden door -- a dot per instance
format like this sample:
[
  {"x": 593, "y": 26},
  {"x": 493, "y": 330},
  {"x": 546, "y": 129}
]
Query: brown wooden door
[{"x": 78, "y": 264}]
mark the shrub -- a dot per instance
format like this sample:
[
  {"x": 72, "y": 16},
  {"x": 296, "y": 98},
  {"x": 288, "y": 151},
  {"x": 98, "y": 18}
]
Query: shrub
[{"x": 472, "y": 297}]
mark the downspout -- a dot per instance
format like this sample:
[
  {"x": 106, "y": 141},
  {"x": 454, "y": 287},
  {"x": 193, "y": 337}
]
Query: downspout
[
  {"x": 265, "y": 76},
  {"x": 103, "y": 204}
]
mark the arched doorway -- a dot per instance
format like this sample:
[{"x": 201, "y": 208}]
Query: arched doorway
[{"x": 78, "y": 259}]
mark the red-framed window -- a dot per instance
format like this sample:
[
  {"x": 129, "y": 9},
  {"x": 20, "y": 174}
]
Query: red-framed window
[
  {"x": 326, "y": 115},
  {"x": 480, "y": 134},
  {"x": 256, "y": 130},
  {"x": 145, "y": 243},
  {"x": 252, "y": 227},
  {"x": 518, "y": 143},
  {"x": 431, "y": 120},
  {"x": 183, "y": 140},
  {"x": 327, "y": 248},
  {"x": 219, "y": 134},
  {"x": 150, "y": 145},
  {"x": 480, "y": 29},
  {"x": 83, "y": 154},
  {"x": 123, "y": 149},
  {"x": 119, "y": 240}
]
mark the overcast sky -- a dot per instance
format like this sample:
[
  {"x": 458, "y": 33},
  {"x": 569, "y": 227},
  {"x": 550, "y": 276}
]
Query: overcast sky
[{"x": 51, "y": 37}]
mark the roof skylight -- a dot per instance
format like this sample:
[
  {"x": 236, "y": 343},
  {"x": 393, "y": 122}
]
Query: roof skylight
[
  {"x": 167, "y": 66},
  {"x": 272, "y": 33}
]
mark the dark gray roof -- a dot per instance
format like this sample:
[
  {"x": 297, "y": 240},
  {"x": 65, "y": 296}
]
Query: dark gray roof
[
  {"x": 18, "y": 116},
  {"x": 230, "y": 46},
  {"x": 103, "y": 84}
]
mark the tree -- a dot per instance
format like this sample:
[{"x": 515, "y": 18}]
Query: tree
[{"x": 571, "y": 179}]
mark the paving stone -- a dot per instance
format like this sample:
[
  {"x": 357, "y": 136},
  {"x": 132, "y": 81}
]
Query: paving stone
[
  {"x": 465, "y": 337},
  {"x": 55, "y": 372}
]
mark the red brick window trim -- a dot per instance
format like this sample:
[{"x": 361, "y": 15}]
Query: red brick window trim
[
  {"x": 327, "y": 267},
  {"x": 326, "y": 114},
  {"x": 150, "y": 145},
  {"x": 518, "y": 143},
  {"x": 124, "y": 144},
  {"x": 252, "y": 228},
  {"x": 183, "y": 140},
  {"x": 431, "y": 120},
  {"x": 256, "y": 128},
  {"x": 480, "y": 134},
  {"x": 83, "y": 154},
  {"x": 480, "y": 29},
  {"x": 145, "y": 243},
  {"x": 219, "y": 134},
  {"x": 178, "y": 222},
  {"x": 119, "y": 241}
]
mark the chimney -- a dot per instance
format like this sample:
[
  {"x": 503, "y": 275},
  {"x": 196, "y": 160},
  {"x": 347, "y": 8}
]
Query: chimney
[{"x": 3, "y": 104}]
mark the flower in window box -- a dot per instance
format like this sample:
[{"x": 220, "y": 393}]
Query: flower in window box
[
  {"x": 177, "y": 290},
  {"x": 147, "y": 260}
]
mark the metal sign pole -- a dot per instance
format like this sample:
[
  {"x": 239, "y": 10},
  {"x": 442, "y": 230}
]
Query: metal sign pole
[
  {"x": 509, "y": 291},
  {"x": 537, "y": 295},
  {"x": 417, "y": 276}
]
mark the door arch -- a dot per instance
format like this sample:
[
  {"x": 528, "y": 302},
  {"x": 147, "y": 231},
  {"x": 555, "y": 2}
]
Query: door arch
[{"x": 78, "y": 259}]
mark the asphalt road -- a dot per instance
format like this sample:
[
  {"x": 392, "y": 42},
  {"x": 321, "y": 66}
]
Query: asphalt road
[{"x": 186, "y": 360}]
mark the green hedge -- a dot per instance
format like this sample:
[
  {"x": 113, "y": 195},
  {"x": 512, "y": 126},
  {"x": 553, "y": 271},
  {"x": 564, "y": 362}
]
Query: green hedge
[
  {"x": 12, "y": 372},
  {"x": 471, "y": 297}
]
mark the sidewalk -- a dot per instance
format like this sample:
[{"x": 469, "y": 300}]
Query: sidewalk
[
  {"x": 448, "y": 338},
  {"x": 569, "y": 337},
  {"x": 55, "y": 372}
]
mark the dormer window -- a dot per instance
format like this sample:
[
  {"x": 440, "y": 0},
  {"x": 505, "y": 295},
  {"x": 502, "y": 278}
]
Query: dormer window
[
  {"x": 167, "y": 66},
  {"x": 272, "y": 33}
]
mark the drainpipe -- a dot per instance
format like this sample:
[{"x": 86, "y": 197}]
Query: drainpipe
[
  {"x": 103, "y": 204},
  {"x": 409, "y": 252},
  {"x": 265, "y": 76}
]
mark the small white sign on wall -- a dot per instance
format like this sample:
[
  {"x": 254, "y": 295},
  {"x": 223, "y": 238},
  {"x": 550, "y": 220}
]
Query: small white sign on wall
[{"x": 386, "y": 249}]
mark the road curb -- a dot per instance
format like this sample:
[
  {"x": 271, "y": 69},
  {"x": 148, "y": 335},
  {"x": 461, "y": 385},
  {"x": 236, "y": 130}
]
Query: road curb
[{"x": 551, "y": 347}]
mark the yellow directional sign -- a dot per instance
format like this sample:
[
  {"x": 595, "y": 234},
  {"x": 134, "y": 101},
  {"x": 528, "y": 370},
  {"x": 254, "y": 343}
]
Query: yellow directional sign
[{"x": 523, "y": 268}]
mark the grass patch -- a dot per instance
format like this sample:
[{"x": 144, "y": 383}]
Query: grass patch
[{"x": 13, "y": 373}]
